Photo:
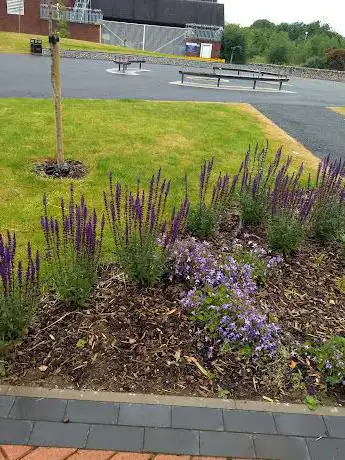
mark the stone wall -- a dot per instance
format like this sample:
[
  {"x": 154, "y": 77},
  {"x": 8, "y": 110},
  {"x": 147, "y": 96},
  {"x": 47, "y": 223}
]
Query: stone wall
[
  {"x": 303, "y": 72},
  {"x": 101, "y": 56}
]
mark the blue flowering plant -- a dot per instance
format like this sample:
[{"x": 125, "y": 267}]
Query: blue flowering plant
[
  {"x": 143, "y": 235},
  {"x": 328, "y": 216},
  {"x": 255, "y": 177},
  {"x": 19, "y": 288},
  {"x": 221, "y": 299},
  {"x": 290, "y": 213},
  {"x": 204, "y": 217},
  {"x": 260, "y": 259},
  {"x": 73, "y": 245},
  {"x": 329, "y": 357}
]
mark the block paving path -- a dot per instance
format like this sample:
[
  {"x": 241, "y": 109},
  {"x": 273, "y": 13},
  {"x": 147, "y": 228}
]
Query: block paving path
[{"x": 163, "y": 428}]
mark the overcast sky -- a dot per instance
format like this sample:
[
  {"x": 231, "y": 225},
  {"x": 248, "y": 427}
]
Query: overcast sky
[{"x": 246, "y": 12}]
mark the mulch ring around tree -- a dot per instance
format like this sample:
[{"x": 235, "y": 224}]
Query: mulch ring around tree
[
  {"x": 141, "y": 340},
  {"x": 70, "y": 169}
]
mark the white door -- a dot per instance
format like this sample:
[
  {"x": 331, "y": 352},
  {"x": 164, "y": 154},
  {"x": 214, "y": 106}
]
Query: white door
[{"x": 206, "y": 50}]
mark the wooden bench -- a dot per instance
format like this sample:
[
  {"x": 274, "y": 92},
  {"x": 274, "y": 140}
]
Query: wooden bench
[
  {"x": 219, "y": 77},
  {"x": 240, "y": 70},
  {"x": 125, "y": 62}
]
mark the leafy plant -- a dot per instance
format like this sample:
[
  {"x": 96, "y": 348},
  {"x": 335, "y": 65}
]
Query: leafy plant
[
  {"x": 256, "y": 176},
  {"x": 19, "y": 289},
  {"x": 257, "y": 258},
  {"x": 220, "y": 299},
  {"x": 285, "y": 233},
  {"x": 330, "y": 359},
  {"x": 142, "y": 235},
  {"x": 291, "y": 207},
  {"x": 328, "y": 217},
  {"x": 203, "y": 219},
  {"x": 312, "y": 402},
  {"x": 73, "y": 248}
]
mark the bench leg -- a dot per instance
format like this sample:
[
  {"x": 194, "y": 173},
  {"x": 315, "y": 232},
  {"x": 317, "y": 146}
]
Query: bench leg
[
  {"x": 182, "y": 78},
  {"x": 218, "y": 82},
  {"x": 254, "y": 86},
  {"x": 139, "y": 65},
  {"x": 280, "y": 85},
  {"x": 119, "y": 67}
]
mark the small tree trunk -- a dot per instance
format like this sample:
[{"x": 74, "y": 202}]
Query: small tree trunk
[{"x": 56, "y": 83}]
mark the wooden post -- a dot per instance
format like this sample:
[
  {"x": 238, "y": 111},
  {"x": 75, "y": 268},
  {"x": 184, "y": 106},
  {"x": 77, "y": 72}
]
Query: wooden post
[{"x": 56, "y": 84}]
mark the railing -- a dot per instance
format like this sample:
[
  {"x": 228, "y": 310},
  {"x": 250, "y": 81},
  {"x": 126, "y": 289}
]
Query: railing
[{"x": 80, "y": 15}]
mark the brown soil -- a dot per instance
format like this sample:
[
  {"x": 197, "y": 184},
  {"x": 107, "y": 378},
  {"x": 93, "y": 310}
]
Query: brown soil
[
  {"x": 71, "y": 169},
  {"x": 141, "y": 340}
]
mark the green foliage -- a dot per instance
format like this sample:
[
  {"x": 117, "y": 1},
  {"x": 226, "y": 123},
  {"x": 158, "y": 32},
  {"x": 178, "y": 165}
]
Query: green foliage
[
  {"x": 342, "y": 245},
  {"x": 292, "y": 44},
  {"x": 328, "y": 220},
  {"x": 330, "y": 359},
  {"x": 16, "y": 312},
  {"x": 260, "y": 269},
  {"x": 253, "y": 208},
  {"x": 234, "y": 36},
  {"x": 62, "y": 23},
  {"x": 315, "y": 62},
  {"x": 142, "y": 259},
  {"x": 312, "y": 402},
  {"x": 72, "y": 278},
  {"x": 285, "y": 233},
  {"x": 278, "y": 53},
  {"x": 336, "y": 59},
  {"x": 202, "y": 222}
]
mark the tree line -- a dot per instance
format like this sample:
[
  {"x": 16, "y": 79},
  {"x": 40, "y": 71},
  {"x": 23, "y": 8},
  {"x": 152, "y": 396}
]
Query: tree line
[{"x": 311, "y": 45}]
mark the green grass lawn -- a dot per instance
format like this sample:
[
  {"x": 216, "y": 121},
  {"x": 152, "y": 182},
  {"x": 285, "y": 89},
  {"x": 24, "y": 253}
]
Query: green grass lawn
[
  {"x": 130, "y": 138},
  {"x": 11, "y": 42}
]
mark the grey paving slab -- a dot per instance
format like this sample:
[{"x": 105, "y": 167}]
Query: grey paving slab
[
  {"x": 281, "y": 447},
  {"x": 198, "y": 418},
  {"x": 38, "y": 409},
  {"x": 6, "y": 402},
  {"x": 15, "y": 431},
  {"x": 226, "y": 444},
  {"x": 56, "y": 434},
  {"x": 326, "y": 449},
  {"x": 335, "y": 426},
  {"x": 92, "y": 412},
  {"x": 145, "y": 415},
  {"x": 249, "y": 422},
  {"x": 171, "y": 441},
  {"x": 300, "y": 425},
  {"x": 124, "y": 438}
]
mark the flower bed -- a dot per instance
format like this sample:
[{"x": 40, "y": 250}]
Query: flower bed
[{"x": 241, "y": 294}]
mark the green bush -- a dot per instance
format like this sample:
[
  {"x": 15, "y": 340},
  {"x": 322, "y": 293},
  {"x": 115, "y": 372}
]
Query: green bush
[
  {"x": 253, "y": 208},
  {"x": 316, "y": 62},
  {"x": 335, "y": 59},
  {"x": 330, "y": 359},
  {"x": 285, "y": 233},
  {"x": 328, "y": 220},
  {"x": 202, "y": 221}
]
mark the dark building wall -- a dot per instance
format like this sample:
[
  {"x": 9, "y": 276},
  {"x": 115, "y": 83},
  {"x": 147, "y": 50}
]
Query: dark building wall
[
  {"x": 31, "y": 23},
  {"x": 162, "y": 12}
]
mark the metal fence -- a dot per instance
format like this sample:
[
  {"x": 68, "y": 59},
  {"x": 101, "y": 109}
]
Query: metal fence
[
  {"x": 170, "y": 40},
  {"x": 80, "y": 15}
]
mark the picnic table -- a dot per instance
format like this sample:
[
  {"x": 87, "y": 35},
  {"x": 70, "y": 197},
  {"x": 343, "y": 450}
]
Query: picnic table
[{"x": 125, "y": 62}]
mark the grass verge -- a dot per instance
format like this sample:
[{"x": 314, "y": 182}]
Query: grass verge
[
  {"x": 15, "y": 43},
  {"x": 130, "y": 138}
]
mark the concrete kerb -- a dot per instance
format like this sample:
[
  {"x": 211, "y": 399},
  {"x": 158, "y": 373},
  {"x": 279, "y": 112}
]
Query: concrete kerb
[{"x": 134, "y": 398}]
